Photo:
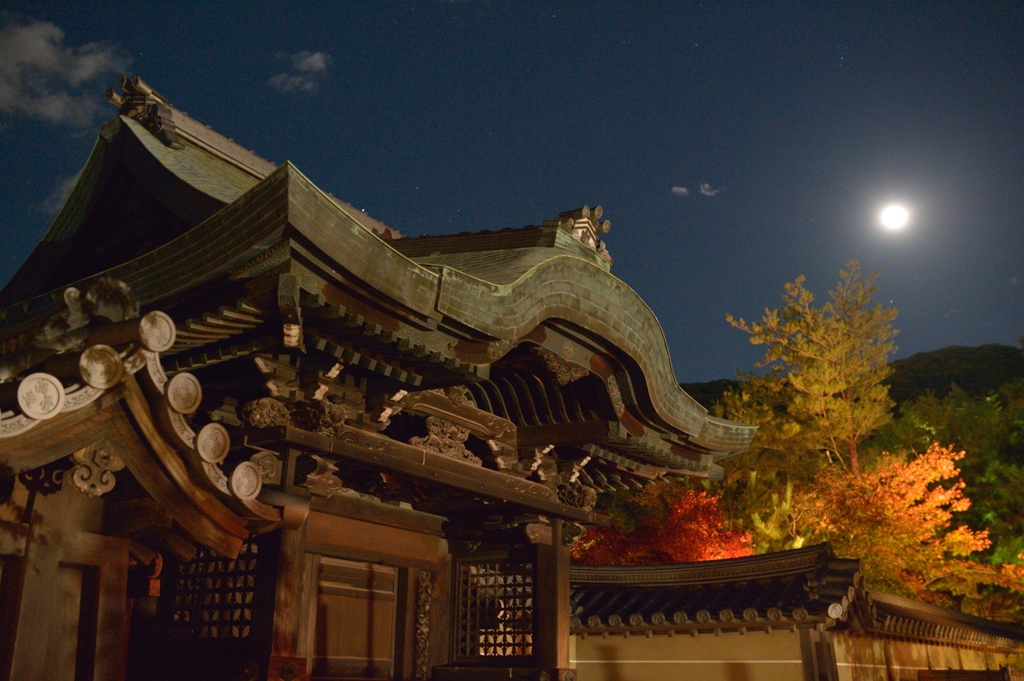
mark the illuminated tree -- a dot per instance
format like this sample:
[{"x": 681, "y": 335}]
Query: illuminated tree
[
  {"x": 824, "y": 389},
  {"x": 663, "y": 523},
  {"x": 990, "y": 429},
  {"x": 898, "y": 519}
]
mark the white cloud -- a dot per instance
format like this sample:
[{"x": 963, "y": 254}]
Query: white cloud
[
  {"x": 306, "y": 71},
  {"x": 54, "y": 201},
  {"x": 310, "y": 62},
  {"x": 42, "y": 78},
  {"x": 706, "y": 189},
  {"x": 680, "y": 191}
]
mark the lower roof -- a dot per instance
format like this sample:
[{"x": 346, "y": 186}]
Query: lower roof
[{"x": 784, "y": 589}]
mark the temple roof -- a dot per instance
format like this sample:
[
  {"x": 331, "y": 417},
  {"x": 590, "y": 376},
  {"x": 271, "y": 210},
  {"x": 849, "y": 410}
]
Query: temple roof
[
  {"x": 800, "y": 587},
  {"x": 502, "y": 257},
  {"x": 181, "y": 181},
  {"x": 187, "y": 219}
]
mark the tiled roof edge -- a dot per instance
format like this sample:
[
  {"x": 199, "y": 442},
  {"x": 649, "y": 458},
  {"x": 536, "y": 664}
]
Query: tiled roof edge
[{"x": 712, "y": 571}]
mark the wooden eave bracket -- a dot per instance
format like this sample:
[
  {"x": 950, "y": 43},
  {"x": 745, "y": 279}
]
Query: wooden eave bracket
[{"x": 289, "y": 294}]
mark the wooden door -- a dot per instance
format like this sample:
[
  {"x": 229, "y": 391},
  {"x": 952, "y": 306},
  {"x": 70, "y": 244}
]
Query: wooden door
[{"x": 354, "y": 620}]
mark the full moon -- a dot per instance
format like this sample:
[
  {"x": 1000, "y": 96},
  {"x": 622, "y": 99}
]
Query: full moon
[{"x": 894, "y": 217}]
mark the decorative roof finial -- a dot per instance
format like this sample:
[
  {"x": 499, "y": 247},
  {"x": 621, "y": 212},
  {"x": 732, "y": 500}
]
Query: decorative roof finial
[
  {"x": 142, "y": 103},
  {"x": 584, "y": 224}
]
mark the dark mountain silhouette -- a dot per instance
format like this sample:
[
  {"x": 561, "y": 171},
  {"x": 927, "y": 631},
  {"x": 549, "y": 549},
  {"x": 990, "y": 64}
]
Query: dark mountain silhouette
[{"x": 979, "y": 371}]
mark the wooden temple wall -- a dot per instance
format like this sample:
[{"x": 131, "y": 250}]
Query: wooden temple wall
[
  {"x": 354, "y": 593},
  {"x": 63, "y": 590},
  {"x": 781, "y": 655},
  {"x": 358, "y": 597},
  {"x": 360, "y": 591},
  {"x": 866, "y": 658}
]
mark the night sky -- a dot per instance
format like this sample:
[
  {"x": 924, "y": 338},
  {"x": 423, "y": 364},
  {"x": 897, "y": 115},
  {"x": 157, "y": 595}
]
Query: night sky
[{"x": 801, "y": 122}]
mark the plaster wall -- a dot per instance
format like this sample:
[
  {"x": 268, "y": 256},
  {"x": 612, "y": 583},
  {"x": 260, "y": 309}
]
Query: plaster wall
[{"x": 754, "y": 656}]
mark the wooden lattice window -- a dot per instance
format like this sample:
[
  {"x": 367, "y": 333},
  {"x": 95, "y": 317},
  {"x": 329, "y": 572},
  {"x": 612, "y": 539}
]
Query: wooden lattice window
[
  {"x": 213, "y": 596},
  {"x": 494, "y": 609}
]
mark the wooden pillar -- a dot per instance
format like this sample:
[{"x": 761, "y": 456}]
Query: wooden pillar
[
  {"x": 27, "y": 603},
  {"x": 285, "y": 663},
  {"x": 439, "y": 620},
  {"x": 551, "y": 607}
]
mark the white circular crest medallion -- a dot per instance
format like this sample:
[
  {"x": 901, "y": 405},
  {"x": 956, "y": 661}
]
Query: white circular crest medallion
[
  {"x": 40, "y": 396},
  {"x": 157, "y": 332},
  {"x": 246, "y": 482},
  {"x": 213, "y": 443},
  {"x": 101, "y": 367},
  {"x": 183, "y": 393}
]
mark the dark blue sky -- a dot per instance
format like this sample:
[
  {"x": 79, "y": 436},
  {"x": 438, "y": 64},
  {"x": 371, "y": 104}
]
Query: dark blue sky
[{"x": 440, "y": 117}]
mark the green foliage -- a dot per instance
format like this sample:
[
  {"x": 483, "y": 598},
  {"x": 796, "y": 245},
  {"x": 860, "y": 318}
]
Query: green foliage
[
  {"x": 991, "y": 431},
  {"x": 779, "y": 530},
  {"x": 820, "y": 465},
  {"x": 821, "y": 396}
]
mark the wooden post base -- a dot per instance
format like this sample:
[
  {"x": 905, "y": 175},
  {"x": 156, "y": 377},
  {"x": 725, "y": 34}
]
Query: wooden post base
[{"x": 287, "y": 669}]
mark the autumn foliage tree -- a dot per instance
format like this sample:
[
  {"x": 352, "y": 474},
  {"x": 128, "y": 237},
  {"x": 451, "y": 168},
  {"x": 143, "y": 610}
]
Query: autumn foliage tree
[
  {"x": 823, "y": 391},
  {"x": 898, "y": 519},
  {"x": 664, "y": 523},
  {"x": 990, "y": 428}
]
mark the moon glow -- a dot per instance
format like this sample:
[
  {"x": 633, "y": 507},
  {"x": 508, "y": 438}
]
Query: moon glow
[{"x": 894, "y": 217}]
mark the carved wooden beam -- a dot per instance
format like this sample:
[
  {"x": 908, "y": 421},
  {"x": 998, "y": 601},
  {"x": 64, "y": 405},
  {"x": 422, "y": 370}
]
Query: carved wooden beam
[
  {"x": 210, "y": 522},
  {"x": 480, "y": 423},
  {"x": 381, "y": 452}
]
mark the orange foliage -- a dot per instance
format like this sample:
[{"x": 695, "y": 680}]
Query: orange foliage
[
  {"x": 675, "y": 525},
  {"x": 897, "y": 518}
]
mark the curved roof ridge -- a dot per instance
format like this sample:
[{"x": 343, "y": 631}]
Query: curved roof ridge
[
  {"x": 564, "y": 287},
  {"x": 761, "y": 566},
  {"x": 933, "y": 613}
]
